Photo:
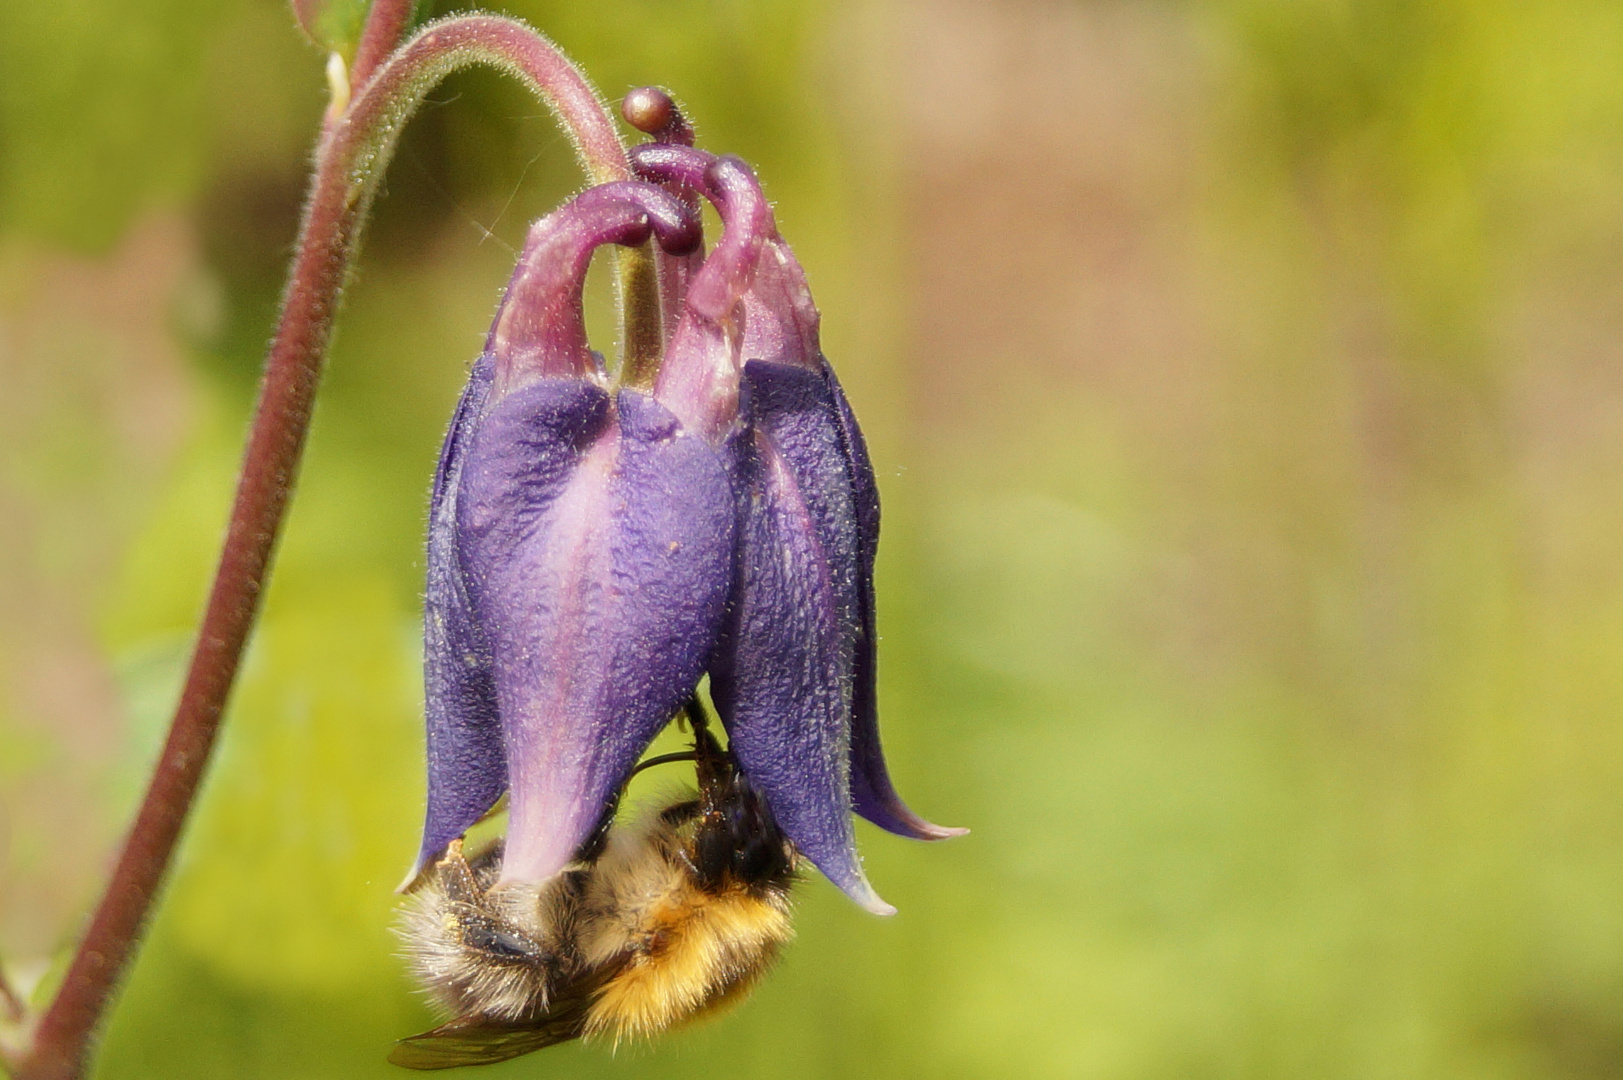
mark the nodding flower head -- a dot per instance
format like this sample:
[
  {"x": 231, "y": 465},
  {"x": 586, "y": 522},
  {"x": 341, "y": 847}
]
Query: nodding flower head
[{"x": 596, "y": 549}]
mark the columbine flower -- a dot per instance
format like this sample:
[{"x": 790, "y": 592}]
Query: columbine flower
[{"x": 595, "y": 549}]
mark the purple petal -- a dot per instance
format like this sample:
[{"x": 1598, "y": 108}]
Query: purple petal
[
  {"x": 673, "y": 163},
  {"x": 539, "y": 332},
  {"x": 872, "y": 793},
  {"x": 597, "y": 537},
  {"x": 782, "y": 673},
  {"x": 467, "y": 769},
  {"x": 780, "y": 317}
]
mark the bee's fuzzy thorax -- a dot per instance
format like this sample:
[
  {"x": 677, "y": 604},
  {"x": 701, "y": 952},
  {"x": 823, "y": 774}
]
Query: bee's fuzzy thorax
[{"x": 683, "y": 948}]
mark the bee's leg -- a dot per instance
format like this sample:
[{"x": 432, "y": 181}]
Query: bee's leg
[
  {"x": 665, "y": 759},
  {"x": 456, "y": 876},
  {"x": 713, "y": 765},
  {"x": 693, "y": 712},
  {"x": 704, "y": 742},
  {"x": 708, "y": 852}
]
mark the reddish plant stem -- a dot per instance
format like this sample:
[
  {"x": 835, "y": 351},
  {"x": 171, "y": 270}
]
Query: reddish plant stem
[
  {"x": 387, "y": 98},
  {"x": 350, "y": 159},
  {"x": 275, "y": 441},
  {"x": 519, "y": 50},
  {"x": 386, "y": 22}
]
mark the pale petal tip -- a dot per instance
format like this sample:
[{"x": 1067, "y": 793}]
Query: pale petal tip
[
  {"x": 863, "y": 893},
  {"x": 409, "y": 880},
  {"x": 414, "y": 874},
  {"x": 945, "y": 832}
]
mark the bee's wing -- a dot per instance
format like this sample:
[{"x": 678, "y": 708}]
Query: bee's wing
[{"x": 477, "y": 1041}]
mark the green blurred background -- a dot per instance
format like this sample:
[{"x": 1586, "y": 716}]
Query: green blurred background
[{"x": 1245, "y": 383}]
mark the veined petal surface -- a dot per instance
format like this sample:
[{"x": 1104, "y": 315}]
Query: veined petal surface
[
  {"x": 597, "y": 538},
  {"x": 783, "y": 672}
]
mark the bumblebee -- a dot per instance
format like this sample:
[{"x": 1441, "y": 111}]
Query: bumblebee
[{"x": 655, "y": 923}]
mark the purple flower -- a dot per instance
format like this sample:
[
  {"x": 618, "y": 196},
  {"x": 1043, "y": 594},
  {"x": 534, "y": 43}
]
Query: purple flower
[{"x": 594, "y": 550}]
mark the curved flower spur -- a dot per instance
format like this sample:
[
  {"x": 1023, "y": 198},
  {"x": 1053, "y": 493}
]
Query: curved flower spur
[{"x": 599, "y": 544}]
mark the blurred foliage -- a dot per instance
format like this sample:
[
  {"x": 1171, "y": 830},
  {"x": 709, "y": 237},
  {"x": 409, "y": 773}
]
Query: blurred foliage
[
  {"x": 333, "y": 24},
  {"x": 1245, "y": 385}
]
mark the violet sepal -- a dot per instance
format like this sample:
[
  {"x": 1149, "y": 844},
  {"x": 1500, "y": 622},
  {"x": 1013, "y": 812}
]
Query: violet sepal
[
  {"x": 467, "y": 767},
  {"x": 597, "y": 540},
  {"x": 532, "y": 415},
  {"x": 873, "y": 795},
  {"x": 781, "y": 675}
]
